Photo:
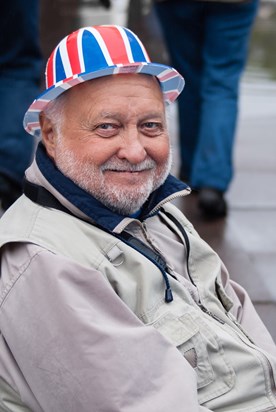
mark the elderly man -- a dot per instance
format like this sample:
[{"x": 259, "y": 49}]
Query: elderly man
[{"x": 110, "y": 301}]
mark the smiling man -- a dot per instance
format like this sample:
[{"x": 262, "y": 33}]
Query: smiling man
[
  {"x": 110, "y": 301},
  {"x": 118, "y": 149}
]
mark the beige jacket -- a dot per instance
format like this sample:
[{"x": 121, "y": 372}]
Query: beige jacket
[{"x": 84, "y": 326}]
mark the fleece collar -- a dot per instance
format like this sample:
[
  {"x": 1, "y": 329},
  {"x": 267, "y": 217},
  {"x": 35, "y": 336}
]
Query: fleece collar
[{"x": 94, "y": 209}]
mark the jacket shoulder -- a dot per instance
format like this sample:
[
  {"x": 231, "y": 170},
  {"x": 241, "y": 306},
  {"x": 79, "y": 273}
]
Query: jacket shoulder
[{"x": 56, "y": 231}]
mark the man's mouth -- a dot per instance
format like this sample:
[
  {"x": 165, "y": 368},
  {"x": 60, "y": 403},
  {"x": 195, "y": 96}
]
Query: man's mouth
[
  {"x": 126, "y": 167},
  {"x": 126, "y": 170}
]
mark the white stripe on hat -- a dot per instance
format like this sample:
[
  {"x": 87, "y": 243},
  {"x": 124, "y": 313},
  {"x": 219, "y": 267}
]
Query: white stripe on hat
[
  {"x": 65, "y": 58},
  {"x": 102, "y": 45},
  {"x": 127, "y": 45},
  {"x": 53, "y": 68},
  {"x": 80, "y": 53}
]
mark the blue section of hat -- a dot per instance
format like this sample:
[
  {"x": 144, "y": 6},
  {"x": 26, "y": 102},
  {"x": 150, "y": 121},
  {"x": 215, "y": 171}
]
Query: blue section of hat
[
  {"x": 137, "y": 52},
  {"x": 60, "y": 73},
  {"x": 92, "y": 53}
]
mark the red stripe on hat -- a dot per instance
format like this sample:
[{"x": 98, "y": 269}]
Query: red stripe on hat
[
  {"x": 72, "y": 49},
  {"x": 73, "y": 82},
  {"x": 50, "y": 71},
  {"x": 167, "y": 76},
  {"x": 115, "y": 44},
  {"x": 33, "y": 125},
  {"x": 171, "y": 96},
  {"x": 38, "y": 105}
]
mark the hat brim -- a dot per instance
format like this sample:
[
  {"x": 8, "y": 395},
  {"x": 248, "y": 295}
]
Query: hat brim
[{"x": 171, "y": 82}]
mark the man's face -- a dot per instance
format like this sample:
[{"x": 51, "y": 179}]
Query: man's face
[{"x": 113, "y": 140}]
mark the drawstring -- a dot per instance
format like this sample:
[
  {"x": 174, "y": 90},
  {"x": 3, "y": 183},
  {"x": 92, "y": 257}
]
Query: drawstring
[{"x": 153, "y": 256}]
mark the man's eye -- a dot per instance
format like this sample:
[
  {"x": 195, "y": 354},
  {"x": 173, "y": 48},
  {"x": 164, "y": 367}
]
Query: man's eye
[
  {"x": 152, "y": 128},
  {"x": 151, "y": 125},
  {"x": 106, "y": 126},
  {"x": 107, "y": 129}
]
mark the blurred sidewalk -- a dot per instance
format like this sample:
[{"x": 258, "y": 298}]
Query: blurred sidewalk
[{"x": 246, "y": 240}]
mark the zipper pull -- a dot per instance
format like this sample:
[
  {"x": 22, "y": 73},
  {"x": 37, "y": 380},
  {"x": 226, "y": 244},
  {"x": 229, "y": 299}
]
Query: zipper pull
[
  {"x": 208, "y": 312},
  {"x": 168, "y": 295}
]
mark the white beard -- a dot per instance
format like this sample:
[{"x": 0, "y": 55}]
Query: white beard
[{"x": 123, "y": 199}]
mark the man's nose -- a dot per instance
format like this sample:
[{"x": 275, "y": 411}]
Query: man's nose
[{"x": 132, "y": 148}]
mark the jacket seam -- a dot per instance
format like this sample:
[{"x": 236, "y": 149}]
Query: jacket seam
[{"x": 15, "y": 278}]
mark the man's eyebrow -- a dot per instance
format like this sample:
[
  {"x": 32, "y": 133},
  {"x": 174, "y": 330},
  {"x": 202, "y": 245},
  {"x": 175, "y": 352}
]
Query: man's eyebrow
[
  {"x": 117, "y": 115},
  {"x": 157, "y": 115},
  {"x": 154, "y": 114}
]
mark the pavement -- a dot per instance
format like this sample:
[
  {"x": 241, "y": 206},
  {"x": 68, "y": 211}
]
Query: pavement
[{"x": 246, "y": 238}]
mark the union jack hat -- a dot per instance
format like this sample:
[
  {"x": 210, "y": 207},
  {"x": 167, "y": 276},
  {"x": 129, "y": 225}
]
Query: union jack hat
[{"x": 93, "y": 52}]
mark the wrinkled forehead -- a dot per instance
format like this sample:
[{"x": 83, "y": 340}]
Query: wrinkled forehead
[
  {"x": 117, "y": 82},
  {"x": 111, "y": 91}
]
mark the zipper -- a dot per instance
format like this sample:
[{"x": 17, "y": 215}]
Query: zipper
[
  {"x": 122, "y": 225},
  {"x": 262, "y": 356},
  {"x": 239, "y": 326},
  {"x": 271, "y": 376},
  {"x": 208, "y": 312},
  {"x": 170, "y": 198},
  {"x": 156, "y": 248}
]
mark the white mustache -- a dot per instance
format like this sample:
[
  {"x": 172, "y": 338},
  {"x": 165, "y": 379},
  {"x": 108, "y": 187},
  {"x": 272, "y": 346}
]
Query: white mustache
[{"x": 125, "y": 166}]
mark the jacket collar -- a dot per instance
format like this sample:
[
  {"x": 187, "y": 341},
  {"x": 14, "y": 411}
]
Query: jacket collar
[{"x": 94, "y": 209}]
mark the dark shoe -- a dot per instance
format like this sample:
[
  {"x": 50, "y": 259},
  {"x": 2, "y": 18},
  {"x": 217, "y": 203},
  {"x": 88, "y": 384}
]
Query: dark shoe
[
  {"x": 211, "y": 202},
  {"x": 9, "y": 192}
]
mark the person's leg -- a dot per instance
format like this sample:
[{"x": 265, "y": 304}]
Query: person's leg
[
  {"x": 182, "y": 26},
  {"x": 20, "y": 70},
  {"x": 227, "y": 30}
]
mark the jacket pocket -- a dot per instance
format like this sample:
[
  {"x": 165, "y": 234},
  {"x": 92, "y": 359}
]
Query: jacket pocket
[{"x": 201, "y": 347}]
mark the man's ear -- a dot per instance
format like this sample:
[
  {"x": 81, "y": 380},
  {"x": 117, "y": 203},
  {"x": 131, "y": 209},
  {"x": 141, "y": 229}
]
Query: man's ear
[{"x": 47, "y": 134}]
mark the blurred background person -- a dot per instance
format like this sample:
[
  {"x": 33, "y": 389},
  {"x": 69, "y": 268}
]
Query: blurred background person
[
  {"x": 20, "y": 72},
  {"x": 208, "y": 44}
]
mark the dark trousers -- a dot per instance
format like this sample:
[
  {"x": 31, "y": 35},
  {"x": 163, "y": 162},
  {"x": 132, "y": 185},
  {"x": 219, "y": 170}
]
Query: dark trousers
[
  {"x": 208, "y": 43},
  {"x": 20, "y": 72}
]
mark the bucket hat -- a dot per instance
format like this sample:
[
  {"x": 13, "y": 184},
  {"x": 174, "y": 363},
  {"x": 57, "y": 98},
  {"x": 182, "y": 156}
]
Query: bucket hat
[{"x": 93, "y": 52}]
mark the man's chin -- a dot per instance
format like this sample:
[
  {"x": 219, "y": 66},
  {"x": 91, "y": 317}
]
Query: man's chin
[
  {"x": 127, "y": 199},
  {"x": 125, "y": 207}
]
